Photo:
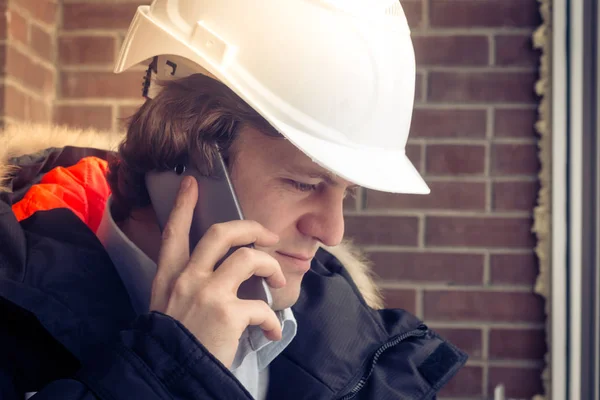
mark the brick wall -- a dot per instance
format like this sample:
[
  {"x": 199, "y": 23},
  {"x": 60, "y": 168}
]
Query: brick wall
[
  {"x": 90, "y": 95},
  {"x": 461, "y": 258},
  {"x": 27, "y": 58}
]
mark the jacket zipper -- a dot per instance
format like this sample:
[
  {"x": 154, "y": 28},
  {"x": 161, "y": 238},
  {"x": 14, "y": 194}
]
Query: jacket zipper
[{"x": 419, "y": 332}]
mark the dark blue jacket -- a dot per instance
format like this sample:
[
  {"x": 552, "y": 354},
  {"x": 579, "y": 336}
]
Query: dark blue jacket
[{"x": 68, "y": 330}]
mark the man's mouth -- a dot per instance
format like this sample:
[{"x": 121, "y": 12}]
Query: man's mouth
[
  {"x": 298, "y": 261},
  {"x": 299, "y": 256}
]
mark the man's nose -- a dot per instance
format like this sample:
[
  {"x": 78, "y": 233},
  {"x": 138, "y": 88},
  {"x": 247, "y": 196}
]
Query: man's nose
[{"x": 325, "y": 222}]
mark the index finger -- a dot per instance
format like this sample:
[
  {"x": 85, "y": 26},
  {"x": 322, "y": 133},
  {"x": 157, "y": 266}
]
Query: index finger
[
  {"x": 175, "y": 247},
  {"x": 220, "y": 238}
]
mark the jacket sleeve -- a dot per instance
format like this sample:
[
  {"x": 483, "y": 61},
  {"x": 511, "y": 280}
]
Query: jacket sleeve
[
  {"x": 157, "y": 359},
  {"x": 401, "y": 372}
]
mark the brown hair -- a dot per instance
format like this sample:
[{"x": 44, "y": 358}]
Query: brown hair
[{"x": 186, "y": 122}]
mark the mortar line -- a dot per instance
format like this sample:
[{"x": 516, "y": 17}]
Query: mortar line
[
  {"x": 14, "y": 83},
  {"x": 99, "y": 68},
  {"x": 489, "y": 69},
  {"x": 492, "y": 49},
  {"x": 48, "y": 28},
  {"x": 485, "y": 358},
  {"x": 453, "y": 288},
  {"x": 407, "y": 212},
  {"x": 419, "y": 303},
  {"x": 476, "y": 106},
  {"x": 489, "y": 197},
  {"x": 421, "y": 241},
  {"x": 31, "y": 55},
  {"x": 115, "y": 114},
  {"x": 124, "y": 102},
  {"x": 475, "y": 178},
  {"x": 487, "y": 269},
  {"x": 471, "y": 141},
  {"x": 27, "y": 15},
  {"x": 425, "y": 86},
  {"x": 447, "y": 250},
  {"x": 433, "y": 31},
  {"x": 361, "y": 200},
  {"x": 425, "y": 20}
]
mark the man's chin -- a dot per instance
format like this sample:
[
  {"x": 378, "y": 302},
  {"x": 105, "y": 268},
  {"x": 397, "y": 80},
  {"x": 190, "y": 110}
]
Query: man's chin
[{"x": 283, "y": 299}]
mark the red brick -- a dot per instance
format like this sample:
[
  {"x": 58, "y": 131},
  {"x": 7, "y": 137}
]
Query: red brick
[
  {"x": 99, "y": 117},
  {"x": 14, "y": 103},
  {"x": 75, "y": 50},
  {"x": 468, "y": 340},
  {"x": 451, "y": 50},
  {"x": 38, "y": 111},
  {"x": 380, "y": 230},
  {"x": 29, "y": 73},
  {"x": 102, "y": 84},
  {"x": 488, "y": 13},
  {"x": 514, "y": 269},
  {"x": 413, "y": 9},
  {"x": 477, "y": 87},
  {"x": 443, "y": 196},
  {"x": 446, "y": 268},
  {"x": 515, "y": 159},
  {"x": 45, "y": 11},
  {"x": 99, "y": 15},
  {"x": 405, "y": 299},
  {"x": 516, "y": 50},
  {"x": 18, "y": 27},
  {"x": 413, "y": 152},
  {"x": 479, "y": 232},
  {"x": 518, "y": 382},
  {"x": 435, "y": 123},
  {"x": 483, "y": 306},
  {"x": 518, "y": 344},
  {"x": 517, "y": 196},
  {"x": 42, "y": 43},
  {"x": 442, "y": 159},
  {"x": 467, "y": 382},
  {"x": 515, "y": 123}
]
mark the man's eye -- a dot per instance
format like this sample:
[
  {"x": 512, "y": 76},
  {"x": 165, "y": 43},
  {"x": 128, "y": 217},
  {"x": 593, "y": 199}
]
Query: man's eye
[{"x": 303, "y": 187}]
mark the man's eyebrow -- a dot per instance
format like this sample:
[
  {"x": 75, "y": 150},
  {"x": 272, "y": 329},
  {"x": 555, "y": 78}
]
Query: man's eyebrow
[{"x": 327, "y": 177}]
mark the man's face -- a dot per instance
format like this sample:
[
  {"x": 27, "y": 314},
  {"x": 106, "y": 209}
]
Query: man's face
[{"x": 281, "y": 188}]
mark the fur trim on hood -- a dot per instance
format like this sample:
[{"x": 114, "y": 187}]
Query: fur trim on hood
[{"x": 24, "y": 139}]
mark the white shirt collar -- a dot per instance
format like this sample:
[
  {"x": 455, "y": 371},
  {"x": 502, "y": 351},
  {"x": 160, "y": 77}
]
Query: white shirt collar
[{"x": 137, "y": 272}]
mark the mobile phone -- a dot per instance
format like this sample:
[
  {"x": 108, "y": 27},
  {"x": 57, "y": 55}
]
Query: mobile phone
[{"x": 217, "y": 202}]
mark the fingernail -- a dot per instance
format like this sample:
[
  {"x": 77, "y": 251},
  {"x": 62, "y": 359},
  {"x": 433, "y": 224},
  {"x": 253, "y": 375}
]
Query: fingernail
[{"x": 185, "y": 183}]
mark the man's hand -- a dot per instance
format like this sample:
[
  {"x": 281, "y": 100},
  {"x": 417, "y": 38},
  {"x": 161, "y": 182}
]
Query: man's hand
[{"x": 205, "y": 301}]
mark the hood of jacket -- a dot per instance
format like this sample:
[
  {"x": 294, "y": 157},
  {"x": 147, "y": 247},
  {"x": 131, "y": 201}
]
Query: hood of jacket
[{"x": 32, "y": 142}]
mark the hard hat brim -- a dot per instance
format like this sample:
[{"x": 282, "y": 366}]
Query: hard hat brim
[{"x": 374, "y": 168}]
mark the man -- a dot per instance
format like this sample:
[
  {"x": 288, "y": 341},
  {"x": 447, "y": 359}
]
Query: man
[{"x": 139, "y": 313}]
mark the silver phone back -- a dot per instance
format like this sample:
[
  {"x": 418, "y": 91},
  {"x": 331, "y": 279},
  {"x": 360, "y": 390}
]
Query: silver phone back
[{"x": 217, "y": 203}]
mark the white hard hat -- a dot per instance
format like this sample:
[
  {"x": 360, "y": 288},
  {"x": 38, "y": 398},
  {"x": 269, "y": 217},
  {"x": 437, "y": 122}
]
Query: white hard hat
[{"x": 335, "y": 77}]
